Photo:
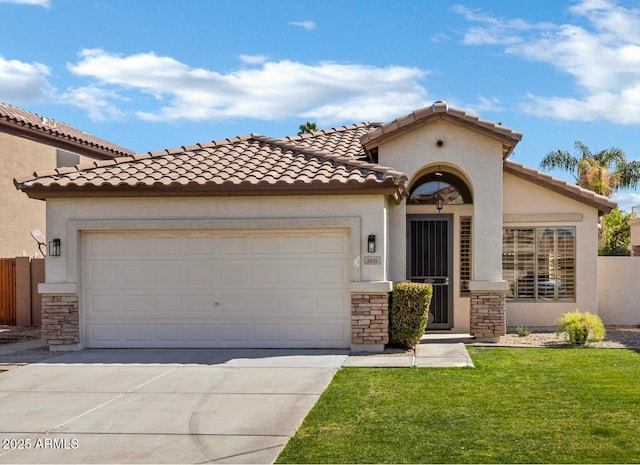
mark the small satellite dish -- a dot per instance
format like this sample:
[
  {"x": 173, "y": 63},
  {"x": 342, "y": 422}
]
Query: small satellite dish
[{"x": 39, "y": 238}]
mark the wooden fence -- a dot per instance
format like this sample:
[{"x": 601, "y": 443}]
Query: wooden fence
[
  {"x": 20, "y": 303},
  {"x": 7, "y": 291}
]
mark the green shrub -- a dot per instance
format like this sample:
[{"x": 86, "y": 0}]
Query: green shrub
[
  {"x": 581, "y": 328},
  {"x": 522, "y": 331},
  {"x": 408, "y": 315}
]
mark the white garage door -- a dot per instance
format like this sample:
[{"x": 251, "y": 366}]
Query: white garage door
[{"x": 216, "y": 289}]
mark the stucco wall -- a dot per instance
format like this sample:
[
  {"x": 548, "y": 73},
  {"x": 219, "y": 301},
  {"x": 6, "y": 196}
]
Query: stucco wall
[
  {"x": 618, "y": 290},
  {"x": 475, "y": 157},
  {"x": 65, "y": 219},
  {"x": 18, "y": 213},
  {"x": 529, "y": 205}
]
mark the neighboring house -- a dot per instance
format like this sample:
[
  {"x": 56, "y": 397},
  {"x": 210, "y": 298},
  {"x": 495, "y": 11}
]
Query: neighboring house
[
  {"x": 295, "y": 242},
  {"x": 634, "y": 225},
  {"x": 29, "y": 143}
]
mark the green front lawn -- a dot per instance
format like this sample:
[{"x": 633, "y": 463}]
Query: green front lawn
[{"x": 517, "y": 406}]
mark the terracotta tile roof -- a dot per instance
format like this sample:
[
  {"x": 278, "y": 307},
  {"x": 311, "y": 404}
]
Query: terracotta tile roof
[
  {"x": 344, "y": 140},
  {"x": 250, "y": 164},
  {"x": 441, "y": 110},
  {"x": 602, "y": 203},
  {"x": 23, "y": 123}
]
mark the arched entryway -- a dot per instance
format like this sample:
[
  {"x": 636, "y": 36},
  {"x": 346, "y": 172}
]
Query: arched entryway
[{"x": 438, "y": 214}]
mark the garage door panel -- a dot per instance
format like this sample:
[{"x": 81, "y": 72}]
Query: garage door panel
[
  {"x": 138, "y": 275},
  {"x": 169, "y": 333},
  {"x": 101, "y": 276},
  {"x": 216, "y": 289},
  {"x": 167, "y": 245},
  {"x": 142, "y": 303},
  {"x": 233, "y": 334},
  {"x": 297, "y": 273},
  {"x": 200, "y": 303},
  {"x": 100, "y": 304},
  {"x": 332, "y": 273},
  {"x": 170, "y": 303},
  {"x": 332, "y": 244},
  {"x": 199, "y": 274},
  {"x": 231, "y": 245},
  {"x": 136, "y": 333},
  {"x": 266, "y": 244},
  {"x": 101, "y": 245},
  {"x": 232, "y": 305},
  {"x": 298, "y": 245},
  {"x": 104, "y": 334},
  {"x": 133, "y": 246},
  {"x": 202, "y": 334},
  {"x": 230, "y": 273},
  {"x": 266, "y": 274},
  {"x": 200, "y": 246}
]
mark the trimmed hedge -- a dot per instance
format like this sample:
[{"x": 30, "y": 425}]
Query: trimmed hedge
[{"x": 408, "y": 314}]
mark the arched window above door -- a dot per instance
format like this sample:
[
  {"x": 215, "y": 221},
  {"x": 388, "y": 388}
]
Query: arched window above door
[{"x": 449, "y": 187}]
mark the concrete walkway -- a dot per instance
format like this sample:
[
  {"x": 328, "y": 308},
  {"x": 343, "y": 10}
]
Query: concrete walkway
[
  {"x": 434, "y": 351},
  {"x": 428, "y": 354}
]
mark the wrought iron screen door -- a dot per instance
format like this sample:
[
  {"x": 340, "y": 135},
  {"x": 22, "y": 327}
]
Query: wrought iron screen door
[{"x": 430, "y": 260}]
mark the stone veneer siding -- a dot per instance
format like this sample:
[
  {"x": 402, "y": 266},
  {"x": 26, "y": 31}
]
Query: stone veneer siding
[
  {"x": 60, "y": 319},
  {"x": 370, "y": 318},
  {"x": 488, "y": 314}
]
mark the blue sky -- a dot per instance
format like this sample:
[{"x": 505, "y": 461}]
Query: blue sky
[{"x": 154, "y": 74}]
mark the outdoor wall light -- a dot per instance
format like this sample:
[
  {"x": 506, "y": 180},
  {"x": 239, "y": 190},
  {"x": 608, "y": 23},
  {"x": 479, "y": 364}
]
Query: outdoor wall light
[
  {"x": 371, "y": 243},
  {"x": 54, "y": 248},
  {"x": 439, "y": 201}
]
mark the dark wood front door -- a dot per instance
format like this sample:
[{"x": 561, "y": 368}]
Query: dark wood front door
[{"x": 430, "y": 260}]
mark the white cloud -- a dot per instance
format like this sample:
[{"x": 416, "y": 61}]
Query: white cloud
[
  {"x": 327, "y": 91},
  {"x": 24, "y": 82},
  {"x": 308, "y": 25},
  {"x": 253, "y": 59},
  {"x": 96, "y": 102},
  {"x": 495, "y": 30},
  {"x": 43, "y": 3},
  {"x": 600, "y": 49},
  {"x": 627, "y": 200}
]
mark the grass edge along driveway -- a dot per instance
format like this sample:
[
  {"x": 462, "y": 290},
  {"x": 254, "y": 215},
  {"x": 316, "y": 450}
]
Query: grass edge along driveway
[{"x": 570, "y": 405}]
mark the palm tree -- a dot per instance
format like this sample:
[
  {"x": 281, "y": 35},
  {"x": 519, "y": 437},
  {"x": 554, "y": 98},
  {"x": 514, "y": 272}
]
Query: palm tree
[
  {"x": 308, "y": 128},
  {"x": 603, "y": 172}
]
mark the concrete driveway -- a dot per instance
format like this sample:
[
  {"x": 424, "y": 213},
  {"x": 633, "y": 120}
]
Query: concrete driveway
[{"x": 160, "y": 405}]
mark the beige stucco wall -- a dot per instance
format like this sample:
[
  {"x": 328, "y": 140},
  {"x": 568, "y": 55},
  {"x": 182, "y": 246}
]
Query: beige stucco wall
[
  {"x": 18, "y": 213},
  {"x": 529, "y": 205},
  {"x": 618, "y": 290},
  {"x": 475, "y": 157},
  {"x": 363, "y": 215}
]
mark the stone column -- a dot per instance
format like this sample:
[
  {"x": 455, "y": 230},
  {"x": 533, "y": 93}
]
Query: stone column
[
  {"x": 488, "y": 309},
  {"x": 369, "y": 316},
  {"x": 60, "y": 316}
]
